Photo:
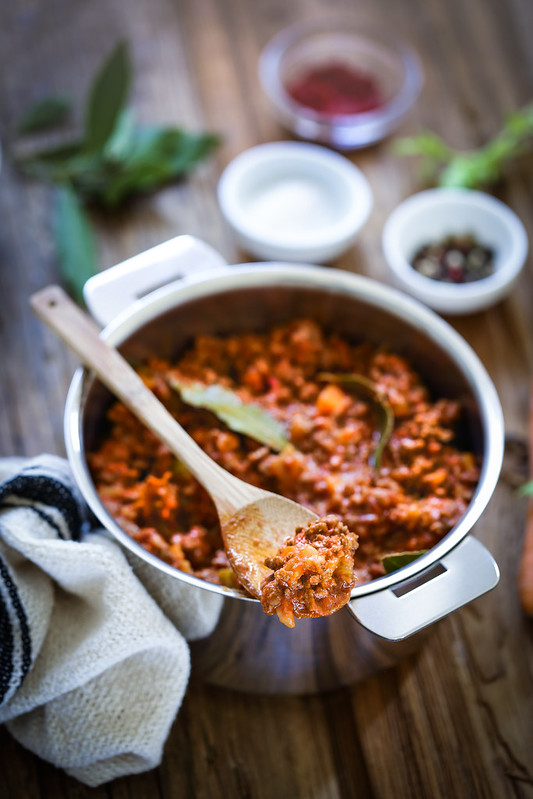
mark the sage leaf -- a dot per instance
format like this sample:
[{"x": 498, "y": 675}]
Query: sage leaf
[
  {"x": 44, "y": 115},
  {"x": 74, "y": 242},
  {"x": 108, "y": 95},
  {"x": 247, "y": 418},
  {"x": 367, "y": 390},
  {"x": 396, "y": 560}
]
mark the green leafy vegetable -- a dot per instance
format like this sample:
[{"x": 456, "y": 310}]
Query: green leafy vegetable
[
  {"x": 368, "y": 391},
  {"x": 74, "y": 241},
  {"x": 477, "y": 168},
  {"x": 43, "y": 115},
  {"x": 112, "y": 161},
  {"x": 107, "y": 97},
  {"x": 396, "y": 560},
  {"x": 241, "y": 417}
]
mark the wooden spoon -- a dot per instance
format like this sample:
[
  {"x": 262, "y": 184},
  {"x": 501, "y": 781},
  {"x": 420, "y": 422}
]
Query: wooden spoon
[{"x": 254, "y": 522}]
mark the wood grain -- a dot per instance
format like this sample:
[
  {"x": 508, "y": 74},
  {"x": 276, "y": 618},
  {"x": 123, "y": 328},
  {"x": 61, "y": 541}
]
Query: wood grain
[{"x": 456, "y": 720}]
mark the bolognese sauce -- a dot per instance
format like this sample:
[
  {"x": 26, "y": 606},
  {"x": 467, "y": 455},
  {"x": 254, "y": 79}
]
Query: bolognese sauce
[
  {"x": 418, "y": 492},
  {"x": 313, "y": 573}
]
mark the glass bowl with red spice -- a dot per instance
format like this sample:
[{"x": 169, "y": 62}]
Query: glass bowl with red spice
[
  {"x": 333, "y": 82},
  {"x": 459, "y": 251}
]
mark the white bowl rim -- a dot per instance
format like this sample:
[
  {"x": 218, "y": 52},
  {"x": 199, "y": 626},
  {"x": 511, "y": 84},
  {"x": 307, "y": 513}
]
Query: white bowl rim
[
  {"x": 333, "y": 165},
  {"x": 406, "y": 213}
]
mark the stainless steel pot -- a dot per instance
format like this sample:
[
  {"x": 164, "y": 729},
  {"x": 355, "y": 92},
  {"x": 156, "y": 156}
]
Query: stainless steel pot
[{"x": 145, "y": 313}]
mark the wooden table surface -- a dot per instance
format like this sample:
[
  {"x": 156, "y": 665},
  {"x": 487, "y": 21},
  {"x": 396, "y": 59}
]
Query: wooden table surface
[{"x": 455, "y": 720}]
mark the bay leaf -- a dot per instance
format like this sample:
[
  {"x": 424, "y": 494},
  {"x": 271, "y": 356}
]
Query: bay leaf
[
  {"x": 45, "y": 114},
  {"x": 367, "y": 390},
  {"x": 60, "y": 165},
  {"x": 122, "y": 140},
  {"x": 156, "y": 156},
  {"x": 107, "y": 97},
  {"x": 116, "y": 158},
  {"x": 396, "y": 560},
  {"x": 74, "y": 242},
  {"x": 241, "y": 417}
]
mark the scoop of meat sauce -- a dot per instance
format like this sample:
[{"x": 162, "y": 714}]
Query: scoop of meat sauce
[{"x": 313, "y": 572}]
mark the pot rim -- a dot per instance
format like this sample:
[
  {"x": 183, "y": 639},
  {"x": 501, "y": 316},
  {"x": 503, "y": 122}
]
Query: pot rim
[{"x": 256, "y": 275}]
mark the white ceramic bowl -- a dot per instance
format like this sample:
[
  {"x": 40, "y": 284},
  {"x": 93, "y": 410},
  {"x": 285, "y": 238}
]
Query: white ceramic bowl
[
  {"x": 294, "y": 201},
  {"x": 432, "y": 215}
]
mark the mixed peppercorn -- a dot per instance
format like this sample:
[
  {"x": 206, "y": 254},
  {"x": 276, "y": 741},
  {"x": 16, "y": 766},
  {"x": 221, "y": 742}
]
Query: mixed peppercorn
[{"x": 455, "y": 259}]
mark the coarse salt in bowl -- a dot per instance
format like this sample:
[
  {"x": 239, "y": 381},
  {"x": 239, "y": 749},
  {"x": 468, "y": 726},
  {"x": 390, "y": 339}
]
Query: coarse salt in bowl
[
  {"x": 431, "y": 216},
  {"x": 392, "y": 71},
  {"x": 294, "y": 201}
]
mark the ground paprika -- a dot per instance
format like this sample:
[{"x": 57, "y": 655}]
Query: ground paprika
[{"x": 335, "y": 88}]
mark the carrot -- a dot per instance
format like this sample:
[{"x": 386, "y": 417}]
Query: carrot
[
  {"x": 332, "y": 401},
  {"x": 525, "y": 577}
]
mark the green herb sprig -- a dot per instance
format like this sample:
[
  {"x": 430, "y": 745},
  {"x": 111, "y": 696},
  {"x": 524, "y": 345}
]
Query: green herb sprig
[
  {"x": 445, "y": 166},
  {"x": 112, "y": 161},
  {"x": 525, "y": 490}
]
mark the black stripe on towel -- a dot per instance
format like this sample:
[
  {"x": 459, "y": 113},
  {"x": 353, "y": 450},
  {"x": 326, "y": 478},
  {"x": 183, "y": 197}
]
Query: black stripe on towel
[
  {"x": 6, "y": 648},
  {"x": 6, "y": 657},
  {"x": 40, "y": 513},
  {"x": 48, "y": 491}
]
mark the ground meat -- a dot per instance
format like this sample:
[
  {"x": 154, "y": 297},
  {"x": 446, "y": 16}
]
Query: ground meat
[
  {"x": 421, "y": 489},
  {"x": 313, "y": 572}
]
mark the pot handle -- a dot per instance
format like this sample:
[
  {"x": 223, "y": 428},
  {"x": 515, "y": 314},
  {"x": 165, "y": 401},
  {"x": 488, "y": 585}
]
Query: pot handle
[
  {"x": 117, "y": 288},
  {"x": 464, "y": 574}
]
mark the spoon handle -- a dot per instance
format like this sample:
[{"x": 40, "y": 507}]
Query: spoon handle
[{"x": 53, "y": 306}]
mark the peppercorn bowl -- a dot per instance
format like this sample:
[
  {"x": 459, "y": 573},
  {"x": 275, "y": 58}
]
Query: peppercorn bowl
[
  {"x": 338, "y": 83},
  {"x": 459, "y": 251}
]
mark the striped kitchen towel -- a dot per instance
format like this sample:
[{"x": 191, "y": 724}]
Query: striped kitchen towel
[{"x": 92, "y": 673}]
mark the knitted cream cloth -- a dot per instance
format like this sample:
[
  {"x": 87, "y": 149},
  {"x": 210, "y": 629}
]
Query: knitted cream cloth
[{"x": 92, "y": 673}]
